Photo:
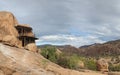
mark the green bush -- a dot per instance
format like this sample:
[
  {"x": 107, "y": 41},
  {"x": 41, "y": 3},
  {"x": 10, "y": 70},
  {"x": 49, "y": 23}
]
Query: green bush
[
  {"x": 114, "y": 68},
  {"x": 73, "y": 62},
  {"x": 68, "y": 61},
  {"x": 62, "y": 60},
  {"x": 90, "y": 64},
  {"x": 49, "y": 52}
]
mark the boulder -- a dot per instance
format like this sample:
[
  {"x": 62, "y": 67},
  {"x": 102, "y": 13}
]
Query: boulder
[
  {"x": 102, "y": 65},
  {"x": 8, "y": 32},
  {"x": 81, "y": 64},
  {"x": 32, "y": 47},
  {"x": 11, "y": 40},
  {"x": 7, "y": 23}
]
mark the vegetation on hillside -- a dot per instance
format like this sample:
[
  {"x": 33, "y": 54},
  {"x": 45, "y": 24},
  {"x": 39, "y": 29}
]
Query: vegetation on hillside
[
  {"x": 71, "y": 61},
  {"x": 67, "y": 61},
  {"x": 49, "y": 52},
  {"x": 114, "y": 67},
  {"x": 90, "y": 64}
]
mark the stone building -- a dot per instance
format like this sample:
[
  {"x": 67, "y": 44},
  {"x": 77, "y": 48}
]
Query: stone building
[{"x": 14, "y": 34}]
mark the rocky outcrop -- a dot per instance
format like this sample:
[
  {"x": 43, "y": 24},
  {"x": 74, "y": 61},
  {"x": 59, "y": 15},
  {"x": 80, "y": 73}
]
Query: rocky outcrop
[
  {"x": 11, "y": 40},
  {"x": 7, "y": 30},
  {"x": 32, "y": 47},
  {"x": 7, "y": 23},
  {"x": 81, "y": 64},
  {"x": 16, "y": 61},
  {"x": 11, "y": 30},
  {"x": 102, "y": 65}
]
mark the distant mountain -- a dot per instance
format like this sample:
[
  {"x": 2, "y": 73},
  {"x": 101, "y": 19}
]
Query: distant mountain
[
  {"x": 111, "y": 48},
  {"x": 42, "y": 46},
  {"x": 85, "y": 46},
  {"x": 67, "y": 49}
]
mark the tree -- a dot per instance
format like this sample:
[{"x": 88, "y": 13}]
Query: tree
[
  {"x": 49, "y": 52},
  {"x": 68, "y": 61}
]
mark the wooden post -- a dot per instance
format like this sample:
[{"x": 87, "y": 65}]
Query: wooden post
[
  {"x": 22, "y": 31},
  {"x": 24, "y": 41},
  {"x": 28, "y": 40}
]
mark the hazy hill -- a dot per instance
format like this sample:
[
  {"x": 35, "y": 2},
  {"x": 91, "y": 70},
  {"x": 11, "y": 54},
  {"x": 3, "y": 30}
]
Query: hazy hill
[
  {"x": 111, "y": 48},
  {"x": 67, "y": 49}
]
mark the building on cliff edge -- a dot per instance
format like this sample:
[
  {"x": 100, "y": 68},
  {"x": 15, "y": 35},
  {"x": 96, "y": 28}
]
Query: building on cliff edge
[{"x": 14, "y": 34}]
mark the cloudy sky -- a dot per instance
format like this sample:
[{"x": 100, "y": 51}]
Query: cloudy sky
[{"x": 74, "y": 22}]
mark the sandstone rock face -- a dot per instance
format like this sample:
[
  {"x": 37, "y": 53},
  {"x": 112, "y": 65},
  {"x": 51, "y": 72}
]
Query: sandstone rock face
[
  {"x": 11, "y": 40},
  {"x": 102, "y": 65},
  {"x": 7, "y": 23},
  {"x": 16, "y": 61}
]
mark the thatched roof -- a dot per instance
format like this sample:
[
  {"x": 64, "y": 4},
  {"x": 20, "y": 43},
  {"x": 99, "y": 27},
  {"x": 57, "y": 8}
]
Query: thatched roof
[{"x": 25, "y": 26}]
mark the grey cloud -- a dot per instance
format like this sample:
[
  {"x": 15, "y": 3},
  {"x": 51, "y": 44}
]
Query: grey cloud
[
  {"x": 52, "y": 17},
  {"x": 44, "y": 16},
  {"x": 70, "y": 39}
]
